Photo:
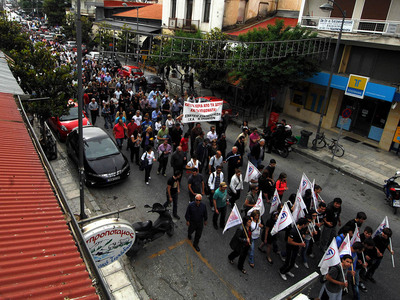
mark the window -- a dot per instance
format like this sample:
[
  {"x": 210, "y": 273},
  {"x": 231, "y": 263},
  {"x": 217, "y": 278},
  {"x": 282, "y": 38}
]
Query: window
[
  {"x": 173, "y": 8},
  {"x": 207, "y": 6},
  {"x": 189, "y": 8}
]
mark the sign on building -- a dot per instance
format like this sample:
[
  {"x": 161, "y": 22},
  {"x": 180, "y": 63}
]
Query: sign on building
[
  {"x": 356, "y": 86},
  {"x": 108, "y": 240},
  {"x": 202, "y": 112},
  {"x": 334, "y": 25}
]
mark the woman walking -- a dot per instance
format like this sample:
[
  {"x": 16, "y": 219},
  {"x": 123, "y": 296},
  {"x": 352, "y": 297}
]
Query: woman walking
[
  {"x": 148, "y": 158},
  {"x": 240, "y": 244},
  {"x": 281, "y": 184},
  {"x": 255, "y": 228},
  {"x": 235, "y": 187}
]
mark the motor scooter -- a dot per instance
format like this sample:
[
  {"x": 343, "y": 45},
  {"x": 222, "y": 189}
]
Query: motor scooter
[
  {"x": 281, "y": 140},
  {"x": 392, "y": 191},
  {"x": 149, "y": 231}
]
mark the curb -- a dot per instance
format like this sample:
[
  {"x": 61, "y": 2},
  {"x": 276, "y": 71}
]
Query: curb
[{"x": 326, "y": 163}]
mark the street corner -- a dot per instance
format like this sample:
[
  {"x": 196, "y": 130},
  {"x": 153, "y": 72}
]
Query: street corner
[{"x": 192, "y": 275}]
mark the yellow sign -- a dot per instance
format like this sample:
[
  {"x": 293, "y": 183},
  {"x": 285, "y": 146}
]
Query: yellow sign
[
  {"x": 356, "y": 86},
  {"x": 396, "y": 137}
]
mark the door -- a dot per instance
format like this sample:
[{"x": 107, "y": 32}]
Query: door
[{"x": 364, "y": 113}]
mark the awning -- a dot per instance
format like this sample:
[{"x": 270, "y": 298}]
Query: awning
[
  {"x": 288, "y": 22},
  {"x": 132, "y": 26},
  {"x": 8, "y": 84},
  {"x": 373, "y": 90}
]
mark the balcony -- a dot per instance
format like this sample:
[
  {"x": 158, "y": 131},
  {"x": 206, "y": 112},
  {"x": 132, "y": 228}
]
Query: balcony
[
  {"x": 183, "y": 24},
  {"x": 387, "y": 28}
]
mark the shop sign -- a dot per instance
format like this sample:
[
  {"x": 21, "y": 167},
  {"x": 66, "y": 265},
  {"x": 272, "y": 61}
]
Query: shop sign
[
  {"x": 396, "y": 137},
  {"x": 202, "y": 112},
  {"x": 356, "y": 86},
  {"x": 335, "y": 24},
  {"x": 108, "y": 240}
]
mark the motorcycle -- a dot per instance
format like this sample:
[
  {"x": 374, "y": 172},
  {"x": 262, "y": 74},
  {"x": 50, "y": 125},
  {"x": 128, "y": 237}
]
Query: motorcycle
[
  {"x": 149, "y": 231},
  {"x": 392, "y": 191},
  {"x": 281, "y": 140}
]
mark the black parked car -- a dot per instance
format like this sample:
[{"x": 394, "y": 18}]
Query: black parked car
[
  {"x": 104, "y": 164},
  {"x": 154, "y": 82}
]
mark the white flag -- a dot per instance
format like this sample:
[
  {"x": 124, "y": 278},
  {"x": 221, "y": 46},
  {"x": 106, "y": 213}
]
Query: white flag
[
  {"x": 345, "y": 247},
  {"x": 384, "y": 224},
  {"x": 356, "y": 236},
  {"x": 305, "y": 184},
  {"x": 259, "y": 206},
  {"x": 298, "y": 207},
  {"x": 330, "y": 258},
  {"x": 314, "y": 203},
  {"x": 251, "y": 173},
  {"x": 285, "y": 218},
  {"x": 234, "y": 219},
  {"x": 275, "y": 202}
]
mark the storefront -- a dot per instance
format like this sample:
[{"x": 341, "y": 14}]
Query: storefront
[{"x": 373, "y": 117}]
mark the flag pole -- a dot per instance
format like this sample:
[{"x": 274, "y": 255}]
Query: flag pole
[
  {"x": 298, "y": 231},
  {"x": 344, "y": 278},
  {"x": 391, "y": 249},
  {"x": 354, "y": 279},
  {"x": 311, "y": 233}
]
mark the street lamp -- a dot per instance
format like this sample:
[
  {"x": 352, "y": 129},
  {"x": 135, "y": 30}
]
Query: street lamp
[{"x": 329, "y": 7}]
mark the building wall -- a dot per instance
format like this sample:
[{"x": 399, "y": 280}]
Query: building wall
[
  {"x": 230, "y": 12},
  {"x": 289, "y": 5},
  {"x": 390, "y": 128},
  {"x": 394, "y": 11}
]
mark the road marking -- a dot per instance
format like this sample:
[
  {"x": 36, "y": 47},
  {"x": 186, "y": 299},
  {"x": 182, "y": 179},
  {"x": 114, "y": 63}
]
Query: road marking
[
  {"x": 189, "y": 262},
  {"x": 159, "y": 253},
  {"x": 227, "y": 284}
]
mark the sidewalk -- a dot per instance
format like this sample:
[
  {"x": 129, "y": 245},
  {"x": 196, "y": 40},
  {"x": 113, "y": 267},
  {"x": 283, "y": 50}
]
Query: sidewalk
[{"x": 362, "y": 160}]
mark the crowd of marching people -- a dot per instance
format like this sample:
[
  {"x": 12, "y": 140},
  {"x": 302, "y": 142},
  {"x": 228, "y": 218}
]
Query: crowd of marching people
[{"x": 150, "y": 126}]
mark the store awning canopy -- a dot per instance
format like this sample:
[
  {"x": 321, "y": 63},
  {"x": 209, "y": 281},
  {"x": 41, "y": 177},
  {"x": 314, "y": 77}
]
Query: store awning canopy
[
  {"x": 132, "y": 26},
  {"x": 373, "y": 90}
]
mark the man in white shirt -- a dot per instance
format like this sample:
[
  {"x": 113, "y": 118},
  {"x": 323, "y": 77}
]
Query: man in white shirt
[
  {"x": 212, "y": 135},
  {"x": 137, "y": 118}
]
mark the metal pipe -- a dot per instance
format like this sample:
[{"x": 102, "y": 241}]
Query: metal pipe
[{"x": 107, "y": 214}]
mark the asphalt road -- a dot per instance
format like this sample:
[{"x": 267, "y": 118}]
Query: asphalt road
[{"x": 170, "y": 268}]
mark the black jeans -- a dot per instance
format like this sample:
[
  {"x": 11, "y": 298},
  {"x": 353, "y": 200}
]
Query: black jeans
[
  {"x": 291, "y": 254},
  {"x": 174, "y": 204},
  {"x": 135, "y": 152},
  {"x": 234, "y": 198},
  {"x": 198, "y": 227},
  {"x": 162, "y": 166},
  {"x": 147, "y": 171},
  {"x": 222, "y": 215},
  {"x": 242, "y": 256}
]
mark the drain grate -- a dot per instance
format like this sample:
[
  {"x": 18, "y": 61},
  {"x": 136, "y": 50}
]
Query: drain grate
[{"x": 347, "y": 138}]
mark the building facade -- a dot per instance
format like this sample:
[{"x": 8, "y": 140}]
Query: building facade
[{"x": 370, "y": 47}]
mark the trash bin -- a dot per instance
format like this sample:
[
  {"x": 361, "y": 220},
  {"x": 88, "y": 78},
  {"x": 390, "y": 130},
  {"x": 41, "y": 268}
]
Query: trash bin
[{"x": 305, "y": 136}]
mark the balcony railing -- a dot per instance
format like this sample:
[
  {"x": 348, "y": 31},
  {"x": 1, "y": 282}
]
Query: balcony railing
[
  {"x": 184, "y": 24},
  {"x": 389, "y": 28}
]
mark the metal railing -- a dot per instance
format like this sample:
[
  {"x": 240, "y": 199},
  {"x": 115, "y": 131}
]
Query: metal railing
[{"x": 389, "y": 28}]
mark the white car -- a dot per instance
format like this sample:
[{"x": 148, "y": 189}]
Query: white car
[{"x": 93, "y": 55}]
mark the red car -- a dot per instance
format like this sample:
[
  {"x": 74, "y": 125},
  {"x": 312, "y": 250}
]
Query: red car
[
  {"x": 64, "y": 124},
  {"x": 126, "y": 71},
  {"x": 226, "y": 107}
]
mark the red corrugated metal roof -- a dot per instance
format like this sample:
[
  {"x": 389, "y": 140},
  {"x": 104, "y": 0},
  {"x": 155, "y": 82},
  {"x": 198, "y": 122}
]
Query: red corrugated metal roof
[
  {"x": 288, "y": 22},
  {"x": 152, "y": 11},
  {"x": 38, "y": 255},
  {"x": 110, "y": 4}
]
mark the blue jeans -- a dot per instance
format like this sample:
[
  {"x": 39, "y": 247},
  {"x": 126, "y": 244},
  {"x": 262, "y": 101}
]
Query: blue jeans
[
  {"x": 251, "y": 251},
  {"x": 355, "y": 287},
  {"x": 303, "y": 251},
  {"x": 119, "y": 142},
  {"x": 332, "y": 296}
]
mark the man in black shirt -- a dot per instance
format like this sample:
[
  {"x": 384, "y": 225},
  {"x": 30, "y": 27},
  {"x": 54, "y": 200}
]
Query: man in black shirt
[
  {"x": 359, "y": 220},
  {"x": 331, "y": 220},
  {"x": 176, "y": 135},
  {"x": 196, "y": 216},
  {"x": 195, "y": 184},
  {"x": 381, "y": 244},
  {"x": 178, "y": 161},
  {"x": 271, "y": 168},
  {"x": 172, "y": 193},
  {"x": 294, "y": 242},
  {"x": 233, "y": 159}
]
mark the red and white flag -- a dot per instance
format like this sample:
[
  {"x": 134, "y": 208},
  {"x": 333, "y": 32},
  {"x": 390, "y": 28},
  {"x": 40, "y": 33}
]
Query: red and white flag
[
  {"x": 345, "y": 247},
  {"x": 383, "y": 225},
  {"x": 305, "y": 184},
  {"x": 356, "y": 236},
  {"x": 251, "y": 172},
  {"x": 330, "y": 258},
  {"x": 285, "y": 218},
  {"x": 234, "y": 219},
  {"x": 275, "y": 202},
  {"x": 259, "y": 205}
]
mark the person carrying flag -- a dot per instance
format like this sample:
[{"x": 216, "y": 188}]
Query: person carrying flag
[
  {"x": 294, "y": 242},
  {"x": 335, "y": 280},
  {"x": 331, "y": 220},
  {"x": 240, "y": 244},
  {"x": 359, "y": 220},
  {"x": 381, "y": 244}
]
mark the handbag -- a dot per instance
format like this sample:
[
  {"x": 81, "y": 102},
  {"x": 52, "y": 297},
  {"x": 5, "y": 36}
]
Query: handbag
[{"x": 143, "y": 163}]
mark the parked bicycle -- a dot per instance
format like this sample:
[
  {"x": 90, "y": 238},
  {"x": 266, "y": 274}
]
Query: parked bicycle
[{"x": 321, "y": 141}]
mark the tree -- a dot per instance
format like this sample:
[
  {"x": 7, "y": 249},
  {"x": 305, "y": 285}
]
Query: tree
[
  {"x": 259, "y": 77},
  {"x": 69, "y": 28},
  {"x": 104, "y": 37},
  {"x": 175, "y": 52},
  {"x": 55, "y": 11},
  {"x": 212, "y": 73},
  {"x": 31, "y": 6},
  {"x": 11, "y": 37},
  {"x": 126, "y": 41}
]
